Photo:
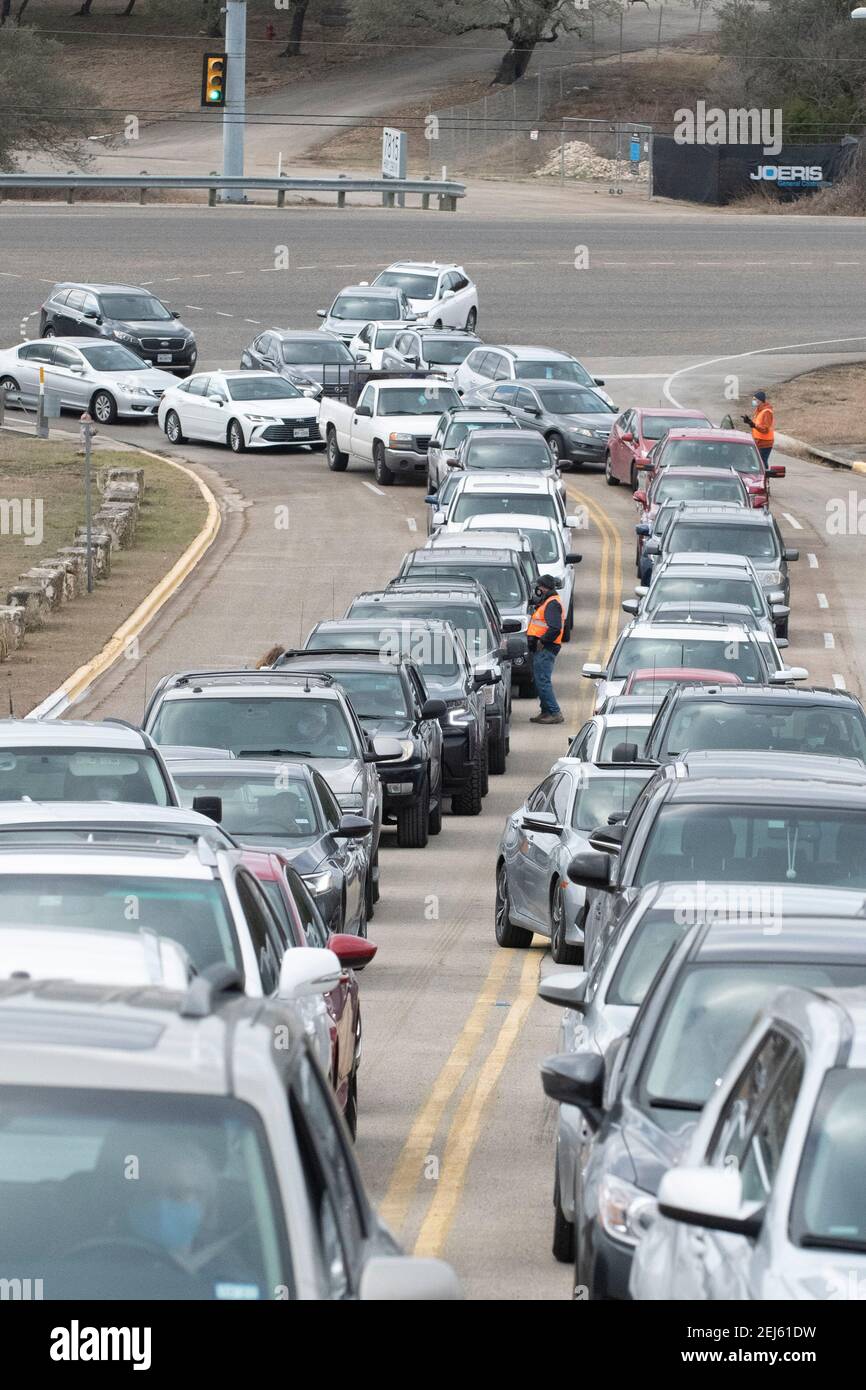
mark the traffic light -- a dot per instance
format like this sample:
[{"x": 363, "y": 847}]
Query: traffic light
[{"x": 213, "y": 82}]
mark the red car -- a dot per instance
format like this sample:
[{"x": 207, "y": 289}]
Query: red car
[
  {"x": 303, "y": 926},
  {"x": 636, "y": 432},
  {"x": 656, "y": 680},
  {"x": 718, "y": 449}
]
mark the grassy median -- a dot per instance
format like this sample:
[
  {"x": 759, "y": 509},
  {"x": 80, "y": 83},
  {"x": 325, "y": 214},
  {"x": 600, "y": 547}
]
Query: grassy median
[{"x": 52, "y": 472}]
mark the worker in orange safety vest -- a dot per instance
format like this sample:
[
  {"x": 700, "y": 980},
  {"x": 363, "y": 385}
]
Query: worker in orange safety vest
[
  {"x": 761, "y": 423},
  {"x": 545, "y": 631}
]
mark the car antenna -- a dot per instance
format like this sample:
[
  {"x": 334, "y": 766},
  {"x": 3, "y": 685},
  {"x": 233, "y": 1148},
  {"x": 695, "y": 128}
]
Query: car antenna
[
  {"x": 11, "y": 710},
  {"x": 145, "y": 685}
]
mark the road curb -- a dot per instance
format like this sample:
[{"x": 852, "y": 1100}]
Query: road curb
[
  {"x": 79, "y": 683},
  {"x": 789, "y": 444}
]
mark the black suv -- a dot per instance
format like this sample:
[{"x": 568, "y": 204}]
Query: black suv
[
  {"x": 828, "y": 723},
  {"x": 448, "y": 674},
  {"x": 128, "y": 315},
  {"x": 392, "y": 699},
  {"x": 477, "y": 621}
]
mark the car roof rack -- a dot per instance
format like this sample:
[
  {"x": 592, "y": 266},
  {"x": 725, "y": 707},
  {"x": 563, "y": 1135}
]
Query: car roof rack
[
  {"x": 306, "y": 652},
  {"x": 214, "y": 982},
  {"x": 230, "y": 677}
]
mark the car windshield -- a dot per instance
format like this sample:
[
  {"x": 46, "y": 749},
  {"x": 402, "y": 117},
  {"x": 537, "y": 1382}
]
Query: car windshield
[
  {"x": 812, "y": 845},
  {"x": 417, "y": 400},
  {"x": 506, "y": 455},
  {"x": 131, "y": 308},
  {"x": 615, "y": 734},
  {"x": 264, "y": 807},
  {"x": 755, "y": 542},
  {"x": 202, "y": 1221},
  {"x": 559, "y": 369},
  {"x": 458, "y": 431},
  {"x": 570, "y": 401},
  {"x": 545, "y": 546},
  {"x": 708, "y": 1014},
  {"x": 605, "y": 796},
  {"x": 374, "y": 694},
  {"x": 385, "y": 337},
  {"x": 530, "y": 504},
  {"x": 468, "y": 619},
  {"x": 66, "y": 774},
  {"x": 657, "y": 426},
  {"x": 262, "y": 726},
  {"x": 708, "y": 654},
  {"x": 191, "y": 911},
  {"x": 673, "y": 487},
  {"x": 364, "y": 307},
  {"x": 447, "y": 352},
  {"x": 502, "y": 582},
  {"x": 694, "y": 589},
  {"x": 261, "y": 388},
  {"x": 319, "y": 352},
  {"x": 413, "y": 284},
  {"x": 433, "y": 649},
  {"x": 644, "y": 952},
  {"x": 829, "y": 1206},
  {"x": 112, "y": 357},
  {"x": 766, "y": 726},
  {"x": 711, "y": 453}
]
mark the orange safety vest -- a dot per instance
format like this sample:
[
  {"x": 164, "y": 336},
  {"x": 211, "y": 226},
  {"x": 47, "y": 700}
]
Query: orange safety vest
[
  {"x": 762, "y": 430},
  {"x": 537, "y": 626}
]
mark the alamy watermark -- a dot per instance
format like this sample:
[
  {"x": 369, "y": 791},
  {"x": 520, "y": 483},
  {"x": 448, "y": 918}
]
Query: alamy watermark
[
  {"x": 22, "y": 516},
  {"x": 704, "y": 904},
  {"x": 740, "y": 125}
]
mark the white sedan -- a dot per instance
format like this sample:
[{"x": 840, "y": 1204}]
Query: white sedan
[{"x": 245, "y": 410}]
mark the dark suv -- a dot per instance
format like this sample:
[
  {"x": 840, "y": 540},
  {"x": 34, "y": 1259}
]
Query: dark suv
[
  {"x": 711, "y": 529},
  {"x": 392, "y": 699},
  {"x": 448, "y": 674},
  {"x": 128, "y": 315}
]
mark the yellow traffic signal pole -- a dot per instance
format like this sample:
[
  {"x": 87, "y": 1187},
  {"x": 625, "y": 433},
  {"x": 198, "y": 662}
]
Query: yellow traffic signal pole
[{"x": 234, "y": 110}]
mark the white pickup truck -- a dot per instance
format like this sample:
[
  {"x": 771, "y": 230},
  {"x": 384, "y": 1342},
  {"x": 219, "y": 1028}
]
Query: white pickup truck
[{"x": 389, "y": 426}]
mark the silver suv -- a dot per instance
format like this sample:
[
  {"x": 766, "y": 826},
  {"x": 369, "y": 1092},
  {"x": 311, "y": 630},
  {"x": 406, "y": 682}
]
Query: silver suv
[
  {"x": 280, "y": 714},
  {"x": 245, "y": 1183}
]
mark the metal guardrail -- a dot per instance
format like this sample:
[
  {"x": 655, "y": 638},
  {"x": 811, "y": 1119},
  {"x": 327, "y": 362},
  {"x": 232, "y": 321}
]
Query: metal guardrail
[{"x": 445, "y": 191}]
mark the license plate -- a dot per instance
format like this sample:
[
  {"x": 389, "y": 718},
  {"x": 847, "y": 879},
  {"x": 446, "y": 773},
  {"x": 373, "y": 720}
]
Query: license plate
[
  {"x": 163, "y": 357},
  {"x": 302, "y": 434}
]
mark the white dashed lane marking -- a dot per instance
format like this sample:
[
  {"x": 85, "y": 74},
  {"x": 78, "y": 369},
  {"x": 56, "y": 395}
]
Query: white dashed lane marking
[
  {"x": 813, "y": 561},
  {"x": 378, "y": 491},
  {"x": 411, "y": 523},
  {"x": 838, "y": 681},
  {"x": 792, "y": 520},
  {"x": 823, "y": 601},
  {"x": 829, "y": 641}
]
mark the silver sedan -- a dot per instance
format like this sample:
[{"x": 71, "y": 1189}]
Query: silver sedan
[
  {"x": 82, "y": 374},
  {"x": 533, "y": 890}
]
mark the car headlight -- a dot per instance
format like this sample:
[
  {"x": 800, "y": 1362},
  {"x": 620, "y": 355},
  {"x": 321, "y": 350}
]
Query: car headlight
[
  {"x": 771, "y": 579},
  {"x": 320, "y": 883},
  {"x": 460, "y": 714},
  {"x": 257, "y": 419},
  {"x": 624, "y": 1210},
  {"x": 124, "y": 337},
  {"x": 587, "y": 434},
  {"x": 408, "y": 749},
  {"x": 351, "y": 801},
  {"x": 396, "y": 440},
  {"x": 132, "y": 390}
]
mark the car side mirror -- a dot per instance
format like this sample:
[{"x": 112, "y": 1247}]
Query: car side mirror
[
  {"x": 782, "y": 642},
  {"x": 576, "y": 1078},
  {"x": 640, "y": 496},
  {"x": 434, "y": 709},
  {"x": 591, "y": 868},
  {"x": 321, "y": 313},
  {"x": 780, "y": 610},
  {"x": 599, "y": 380},
  {"x": 353, "y": 952},
  {"x": 438, "y": 518},
  {"x": 407, "y": 1278},
  {"x": 431, "y": 499},
  {"x": 574, "y": 522},
  {"x": 628, "y": 438},
  {"x": 543, "y": 822},
  {"x": 511, "y": 625},
  {"x": 788, "y": 673},
  {"x": 352, "y": 827},
  {"x": 308, "y": 973},
  {"x": 593, "y": 671},
  {"x": 573, "y": 558},
  {"x": 607, "y": 839},
  {"x": 385, "y": 750},
  {"x": 641, "y": 590},
  {"x": 514, "y": 646},
  {"x": 777, "y": 470},
  {"x": 210, "y": 806},
  {"x": 642, "y": 529},
  {"x": 630, "y": 605},
  {"x": 485, "y": 676},
  {"x": 364, "y": 411},
  {"x": 652, "y": 546},
  {"x": 776, "y": 596},
  {"x": 791, "y": 553},
  {"x": 710, "y": 1197},
  {"x": 567, "y": 989}
]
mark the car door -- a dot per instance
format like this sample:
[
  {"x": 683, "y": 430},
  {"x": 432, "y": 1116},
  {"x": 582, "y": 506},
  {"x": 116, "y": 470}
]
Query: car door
[
  {"x": 54, "y": 314},
  {"x": 749, "y": 1138},
  {"x": 537, "y": 849},
  {"x": 31, "y": 357},
  {"x": 216, "y": 410},
  {"x": 363, "y": 426},
  {"x": 67, "y": 374},
  {"x": 344, "y": 854},
  {"x": 429, "y": 731},
  {"x": 517, "y": 847},
  {"x": 527, "y": 407},
  {"x": 461, "y": 303},
  {"x": 620, "y": 456},
  {"x": 473, "y": 372},
  {"x": 190, "y": 406},
  {"x": 446, "y": 308},
  {"x": 71, "y": 321}
]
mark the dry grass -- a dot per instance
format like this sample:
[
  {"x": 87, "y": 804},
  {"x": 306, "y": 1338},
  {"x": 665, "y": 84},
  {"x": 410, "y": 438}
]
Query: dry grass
[{"x": 824, "y": 407}]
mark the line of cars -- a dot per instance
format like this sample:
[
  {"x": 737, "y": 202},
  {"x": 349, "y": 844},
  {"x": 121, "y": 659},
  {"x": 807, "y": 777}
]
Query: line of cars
[{"x": 697, "y": 857}]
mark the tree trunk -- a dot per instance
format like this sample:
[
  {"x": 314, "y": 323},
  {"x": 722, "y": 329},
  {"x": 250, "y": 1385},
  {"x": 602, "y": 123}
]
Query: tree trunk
[
  {"x": 85, "y": 9},
  {"x": 21, "y": 8},
  {"x": 211, "y": 17},
  {"x": 296, "y": 29},
  {"x": 514, "y": 63},
  {"x": 129, "y": 9}
]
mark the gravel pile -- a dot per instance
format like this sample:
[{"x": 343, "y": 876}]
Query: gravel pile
[{"x": 582, "y": 162}]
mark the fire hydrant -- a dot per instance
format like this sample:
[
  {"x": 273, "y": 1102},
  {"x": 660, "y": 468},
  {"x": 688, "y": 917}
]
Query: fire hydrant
[{"x": 270, "y": 31}]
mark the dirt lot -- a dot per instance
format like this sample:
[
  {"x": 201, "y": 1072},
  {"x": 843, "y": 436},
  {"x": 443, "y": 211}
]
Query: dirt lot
[
  {"x": 172, "y": 514},
  {"x": 825, "y": 408}
]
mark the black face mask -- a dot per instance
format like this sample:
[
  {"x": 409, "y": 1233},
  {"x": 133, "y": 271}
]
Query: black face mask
[{"x": 540, "y": 594}]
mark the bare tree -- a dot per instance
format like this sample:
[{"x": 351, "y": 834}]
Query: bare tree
[
  {"x": 297, "y": 16},
  {"x": 46, "y": 108}
]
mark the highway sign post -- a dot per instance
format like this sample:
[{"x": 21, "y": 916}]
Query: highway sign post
[
  {"x": 394, "y": 148},
  {"x": 234, "y": 114}
]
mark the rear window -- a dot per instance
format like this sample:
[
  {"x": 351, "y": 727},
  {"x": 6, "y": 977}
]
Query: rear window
[
  {"x": 556, "y": 370},
  {"x": 271, "y": 808},
  {"x": 504, "y": 583},
  {"x": 262, "y": 727},
  {"x": 478, "y": 504},
  {"x": 708, "y": 654},
  {"x": 755, "y": 542},
  {"x": 433, "y": 650},
  {"x": 364, "y": 307},
  {"x": 657, "y": 426},
  {"x": 34, "y": 774},
  {"x": 720, "y": 724},
  {"x": 425, "y": 399},
  {"x": 669, "y": 589},
  {"x": 673, "y": 487},
  {"x": 713, "y": 453},
  {"x": 504, "y": 455}
]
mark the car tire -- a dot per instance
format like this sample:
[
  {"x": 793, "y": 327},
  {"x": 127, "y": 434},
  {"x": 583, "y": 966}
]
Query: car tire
[
  {"x": 471, "y": 321},
  {"x": 782, "y": 629},
  {"x": 338, "y": 462},
  {"x": 413, "y": 824},
  {"x": 103, "y": 407},
  {"x": 10, "y": 386},
  {"x": 563, "y": 953},
  {"x": 173, "y": 432},
  {"x": 369, "y": 901},
  {"x": 609, "y": 477},
  {"x": 49, "y": 332},
  {"x": 235, "y": 437},
  {"x": 563, "y": 1229},
  {"x": 435, "y": 822},
  {"x": 556, "y": 444},
  {"x": 498, "y": 752},
  {"x": 438, "y": 324},
  {"x": 468, "y": 801},
  {"x": 569, "y": 621},
  {"x": 513, "y": 938},
  {"x": 381, "y": 472},
  {"x": 632, "y": 480},
  {"x": 485, "y": 767},
  {"x": 350, "y": 1114}
]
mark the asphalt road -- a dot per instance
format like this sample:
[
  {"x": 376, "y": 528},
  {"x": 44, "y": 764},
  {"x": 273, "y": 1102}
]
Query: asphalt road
[{"x": 455, "y": 1137}]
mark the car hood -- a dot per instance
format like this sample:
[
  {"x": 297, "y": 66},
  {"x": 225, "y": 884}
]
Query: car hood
[
  {"x": 444, "y": 687},
  {"x": 305, "y": 855},
  {"x": 411, "y": 424},
  {"x": 392, "y": 728},
  {"x": 147, "y": 328},
  {"x": 293, "y": 408},
  {"x": 341, "y": 774},
  {"x": 655, "y": 1143},
  {"x": 314, "y": 371},
  {"x": 153, "y": 379},
  {"x": 601, "y": 422}
]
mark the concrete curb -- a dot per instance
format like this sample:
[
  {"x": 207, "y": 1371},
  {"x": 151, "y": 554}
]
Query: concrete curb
[
  {"x": 788, "y": 444},
  {"x": 79, "y": 683}
]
